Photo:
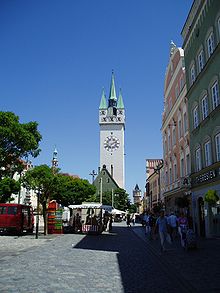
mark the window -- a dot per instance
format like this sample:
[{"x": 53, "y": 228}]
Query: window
[
  {"x": 177, "y": 91},
  {"x": 208, "y": 154},
  {"x": 219, "y": 27},
  {"x": 2, "y": 210},
  {"x": 12, "y": 210},
  {"x": 170, "y": 176},
  {"x": 179, "y": 128},
  {"x": 169, "y": 142},
  {"x": 210, "y": 44},
  {"x": 170, "y": 104},
  {"x": 198, "y": 159},
  {"x": 185, "y": 125},
  {"x": 187, "y": 164},
  {"x": 166, "y": 178},
  {"x": 174, "y": 136},
  {"x": 215, "y": 95},
  {"x": 200, "y": 60},
  {"x": 182, "y": 167},
  {"x": 192, "y": 74},
  {"x": 174, "y": 172},
  {"x": 195, "y": 117},
  {"x": 217, "y": 146},
  {"x": 204, "y": 107},
  {"x": 181, "y": 83}
]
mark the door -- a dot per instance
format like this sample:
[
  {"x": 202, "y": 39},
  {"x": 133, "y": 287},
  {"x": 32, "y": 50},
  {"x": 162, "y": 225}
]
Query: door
[{"x": 201, "y": 217}]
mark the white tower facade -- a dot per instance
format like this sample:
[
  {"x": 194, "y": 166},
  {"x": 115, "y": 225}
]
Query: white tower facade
[{"x": 112, "y": 128}]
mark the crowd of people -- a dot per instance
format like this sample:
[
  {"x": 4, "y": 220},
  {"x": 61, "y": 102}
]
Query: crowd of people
[{"x": 167, "y": 226}]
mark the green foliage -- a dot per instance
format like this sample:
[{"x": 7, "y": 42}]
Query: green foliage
[
  {"x": 7, "y": 187},
  {"x": 211, "y": 197},
  {"x": 42, "y": 179},
  {"x": 120, "y": 200},
  {"x": 71, "y": 190},
  {"x": 17, "y": 141},
  {"x": 132, "y": 209}
]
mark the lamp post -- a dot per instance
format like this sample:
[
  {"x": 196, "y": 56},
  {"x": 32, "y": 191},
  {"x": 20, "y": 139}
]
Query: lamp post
[
  {"x": 37, "y": 218},
  {"x": 157, "y": 170},
  {"x": 101, "y": 190}
]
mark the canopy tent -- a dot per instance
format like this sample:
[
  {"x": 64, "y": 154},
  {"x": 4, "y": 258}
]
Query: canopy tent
[
  {"x": 118, "y": 212},
  {"x": 92, "y": 205}
]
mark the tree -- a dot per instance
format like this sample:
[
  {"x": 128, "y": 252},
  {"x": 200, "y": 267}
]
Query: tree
[
  {"x": 70, "y": 190},
  {"x": 43, "y": 180},
  {"x": 17, "y": 141},
  {"x": 120, "y": 201},
  {"x": 7, "y": 187}
]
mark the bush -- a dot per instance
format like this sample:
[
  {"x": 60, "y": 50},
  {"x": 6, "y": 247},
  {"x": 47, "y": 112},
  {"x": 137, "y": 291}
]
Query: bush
[{"x": 211, "y": 197}]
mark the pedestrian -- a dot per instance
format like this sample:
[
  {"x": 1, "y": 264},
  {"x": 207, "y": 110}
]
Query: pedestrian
[
  {"x": 172, "y": 221},
  {"x": 162, "y": 226},
  {"x": 133, "y": 219},
  {"x": 151, "y": 223},
  {"x": 182, "y": 228},
  {"x": 128, "y": 220},
  {"x": 145, "y": 220}
]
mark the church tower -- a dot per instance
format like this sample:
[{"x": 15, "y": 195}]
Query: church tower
[
  {"x": 112, "y": 127},
  {"x": 54, "y": 160}
]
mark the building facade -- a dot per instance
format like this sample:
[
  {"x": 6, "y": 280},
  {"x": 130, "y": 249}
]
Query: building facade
[
  {"x": 112, "y": 127},
  {"x": 137, "y": 197},
  {"x": 153, "y": 195},
  {"x": 175, "y": 132},
  {"x": 201, "y": 44}
]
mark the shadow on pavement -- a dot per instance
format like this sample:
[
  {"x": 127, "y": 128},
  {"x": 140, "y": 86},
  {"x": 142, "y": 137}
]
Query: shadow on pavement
[{"x": 139, "y": 272}]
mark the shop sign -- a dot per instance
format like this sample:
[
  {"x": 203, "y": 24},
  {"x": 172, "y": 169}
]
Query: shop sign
[{"x": 205, "y": 176}]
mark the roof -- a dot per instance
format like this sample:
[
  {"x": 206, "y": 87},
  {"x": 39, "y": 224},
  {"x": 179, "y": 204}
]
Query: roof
[
  {"x": 103, "y": 104},
  {"x": 120, "y": 104},
  {"x": 112, "y": 94}
]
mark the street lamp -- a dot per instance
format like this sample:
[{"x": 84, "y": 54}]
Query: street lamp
[
  {"x": 101, "y": 190},
  {"x": 157, "y": 171}
]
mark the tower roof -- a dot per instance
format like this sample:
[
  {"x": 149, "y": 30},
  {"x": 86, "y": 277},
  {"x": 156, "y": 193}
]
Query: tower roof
[
  {"x": 136, "y": 187},
  {"x": 103, "y": 104},
  {"x": 112, "y": 94},
  {"x": 120, "y": 104}
]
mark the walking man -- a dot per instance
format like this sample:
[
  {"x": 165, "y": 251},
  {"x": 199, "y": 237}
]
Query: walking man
[{"x": 162, "y": 225}]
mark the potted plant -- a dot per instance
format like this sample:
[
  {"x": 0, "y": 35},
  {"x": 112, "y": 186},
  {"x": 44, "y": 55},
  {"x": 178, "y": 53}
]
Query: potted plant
[{"x": 211, "y": 197}]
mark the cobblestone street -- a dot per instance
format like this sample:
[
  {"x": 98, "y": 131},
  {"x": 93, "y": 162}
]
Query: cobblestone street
[{"x": 121, "y": 261}]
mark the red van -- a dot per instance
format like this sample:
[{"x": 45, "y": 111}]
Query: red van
[{"x": 16, "y": 218}]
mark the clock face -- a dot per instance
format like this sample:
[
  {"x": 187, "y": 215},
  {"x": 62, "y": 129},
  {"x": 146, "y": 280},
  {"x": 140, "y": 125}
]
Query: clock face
[{"x": 111, "y": 143}]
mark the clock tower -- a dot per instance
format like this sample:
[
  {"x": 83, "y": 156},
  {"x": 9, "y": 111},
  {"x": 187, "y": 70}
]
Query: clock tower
[{"x": 112, "y": 126}]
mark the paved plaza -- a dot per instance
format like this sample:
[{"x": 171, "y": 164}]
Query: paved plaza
[{"x": 121, "y": 261}]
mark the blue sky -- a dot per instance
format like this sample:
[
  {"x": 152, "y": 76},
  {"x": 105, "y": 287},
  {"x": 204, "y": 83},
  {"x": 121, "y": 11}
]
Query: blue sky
[{"x": 57, "y": 55}]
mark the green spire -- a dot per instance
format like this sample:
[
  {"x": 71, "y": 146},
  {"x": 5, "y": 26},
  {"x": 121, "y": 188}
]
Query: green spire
[
  {"x": 112, "y": 94},
  {"x": 103, "y": 104},
  {"x": 120, "y": 104}
]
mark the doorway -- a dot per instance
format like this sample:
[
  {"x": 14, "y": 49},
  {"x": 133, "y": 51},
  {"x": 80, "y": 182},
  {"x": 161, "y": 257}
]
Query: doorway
[{"x": 201, "y": 210}]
